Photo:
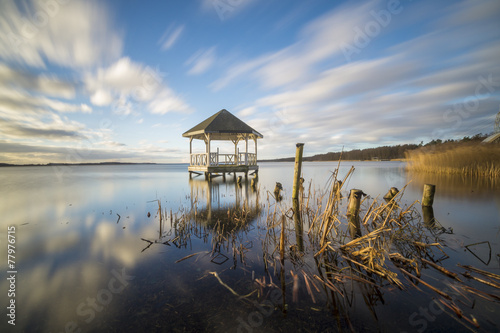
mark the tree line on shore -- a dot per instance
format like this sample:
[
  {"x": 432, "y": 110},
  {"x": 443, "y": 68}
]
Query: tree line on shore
[{"x": 384, "y": 152}]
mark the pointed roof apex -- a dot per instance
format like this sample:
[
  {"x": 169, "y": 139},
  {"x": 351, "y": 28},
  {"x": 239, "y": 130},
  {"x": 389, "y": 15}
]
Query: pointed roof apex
[{"x": 222, "y": 124}]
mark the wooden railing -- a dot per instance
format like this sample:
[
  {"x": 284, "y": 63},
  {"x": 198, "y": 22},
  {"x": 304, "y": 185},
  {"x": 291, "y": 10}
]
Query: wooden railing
[
  {"x": 247, "y": 159},
  {"x": 223, "y": 159},
  {"x": 226, "y": 159},
  {"x": 199, "y": 159}
]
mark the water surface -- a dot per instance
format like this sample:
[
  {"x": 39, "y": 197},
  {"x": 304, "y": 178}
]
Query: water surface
[{"x": 89, "y": 258}]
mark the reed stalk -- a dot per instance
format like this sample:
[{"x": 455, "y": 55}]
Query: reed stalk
[{"x": 480, "y": 160}]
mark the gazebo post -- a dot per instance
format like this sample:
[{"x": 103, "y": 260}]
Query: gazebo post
[
  {"x": 235, "y": 151},
  {"x": 255, "y": 141},
  {"x": 246, "y": 154},
  {"x": 246, "y": 149},
  {"x": 190, "y": 150},
  {"x": 208, "y": 148}
]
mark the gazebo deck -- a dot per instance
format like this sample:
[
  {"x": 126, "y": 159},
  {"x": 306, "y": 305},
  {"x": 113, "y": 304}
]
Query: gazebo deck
[
  {"x": 223, "y": 163},
  {"x": 223, "y": 168}
]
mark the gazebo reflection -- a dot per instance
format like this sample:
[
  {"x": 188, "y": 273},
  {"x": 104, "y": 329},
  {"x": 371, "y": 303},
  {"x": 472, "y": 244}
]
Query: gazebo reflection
[{"x": 230, "y": 204}]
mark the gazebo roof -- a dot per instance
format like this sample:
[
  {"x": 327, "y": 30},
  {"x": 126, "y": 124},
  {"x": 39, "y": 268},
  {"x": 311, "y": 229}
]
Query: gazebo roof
[{"x": 224, "y": 125}]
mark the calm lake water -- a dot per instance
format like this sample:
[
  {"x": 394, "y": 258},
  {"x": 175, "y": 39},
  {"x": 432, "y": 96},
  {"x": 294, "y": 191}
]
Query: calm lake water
[{"x": 88, "y": 257}]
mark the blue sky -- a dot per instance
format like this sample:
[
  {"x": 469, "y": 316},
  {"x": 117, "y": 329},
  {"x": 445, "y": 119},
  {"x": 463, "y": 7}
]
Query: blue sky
[{"x": 90, "y": 81}]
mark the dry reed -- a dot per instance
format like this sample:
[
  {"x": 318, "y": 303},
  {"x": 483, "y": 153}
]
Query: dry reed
[
  {"x": 464, "y": 159},
  {"x": 313, "y": 237}
]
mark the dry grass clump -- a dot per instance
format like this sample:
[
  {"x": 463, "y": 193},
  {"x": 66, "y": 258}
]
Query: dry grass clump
[
  {"x": 463, "y": 159},
  {"x": 315, "y": 237}
]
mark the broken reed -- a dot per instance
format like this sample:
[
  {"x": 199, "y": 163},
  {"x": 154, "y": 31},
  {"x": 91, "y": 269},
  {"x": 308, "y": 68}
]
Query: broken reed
[
  {"x": 395, "y": 247},
  {"x": 223, "y": 227},
  {"x": 464, "y": 159}
]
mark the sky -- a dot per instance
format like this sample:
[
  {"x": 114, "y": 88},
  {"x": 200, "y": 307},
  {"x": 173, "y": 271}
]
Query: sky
[{"x": 93, "y": 81}]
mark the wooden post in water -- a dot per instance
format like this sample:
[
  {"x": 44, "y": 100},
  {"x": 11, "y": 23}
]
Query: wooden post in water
[
  {"x": 353, "y": 212},
  {"x": 161, "y": 220},
  {"x": 277, "y": 191},
  {"x": 298, "y": 169},
  {"x": 253, "y": 182},
  {"x": 428, "y": 196},
  {"x": 299, "y": 229},
  {"x": 391, "y": 193},
  {"x": 429, "y": 220}
]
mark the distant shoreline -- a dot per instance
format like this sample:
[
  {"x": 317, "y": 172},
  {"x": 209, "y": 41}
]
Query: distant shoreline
[
  {"x": 292, "y": 159},
  {"x": 77, "y": 164},
  {"x": 284, "y": 160}
]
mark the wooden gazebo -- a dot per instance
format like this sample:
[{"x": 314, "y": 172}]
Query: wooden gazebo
[{"x": 222, "y": 126}]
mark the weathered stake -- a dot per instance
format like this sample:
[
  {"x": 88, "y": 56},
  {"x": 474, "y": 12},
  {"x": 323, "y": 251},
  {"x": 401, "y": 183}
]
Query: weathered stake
[
  {"x": 299, "y": 229},
  {"x": 428, "y": 196},
  {"x": 428, "y": 213},
  {"x": 298, "y": 170},
  {"x": 391, "y": 194},
  {"x": 253, "y": 182},
  {"x": 353, "y": 212},
  {"x": 277, "y": 191}
]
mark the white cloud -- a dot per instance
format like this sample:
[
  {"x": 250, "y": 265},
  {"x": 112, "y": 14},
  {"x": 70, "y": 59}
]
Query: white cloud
[
  {"x": 62, "y": 106},
  {"x": 14, "y": 98},
  {"x": 123, "y": 75},
  {"x": 166, "y": 101},
  {"x": 249, "y": 111},
  {"x": 97, "y": 151},
  {"x": 42, "y": 83},
  {"x": 129, "y": 84},
  {"x": 201, "y": 61},
  {"x": 73, "y": 34},
  {"x": 170, "y": 36},
  {"x": 101, "y": 97},
  {"x": 42, "y": 125}
]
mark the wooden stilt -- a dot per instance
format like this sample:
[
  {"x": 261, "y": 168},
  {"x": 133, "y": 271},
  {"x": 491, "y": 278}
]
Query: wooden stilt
[
  {"x": 391, "y": 193},
  {"x": 277, "y": 191},
  {"x": 428, "y": 196},
  {"x": 299, "y": 229},
  {"x": 353, "y": 212},
  {"x": 298, "y": 169},
  {"x": 428, "y": 213}
]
